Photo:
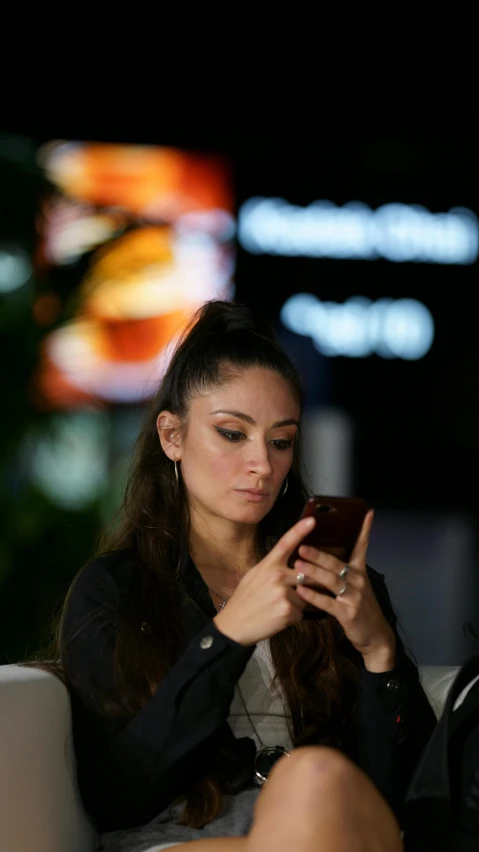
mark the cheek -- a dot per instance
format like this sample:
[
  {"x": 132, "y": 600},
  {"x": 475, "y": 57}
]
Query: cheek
[
  {"x": 210, "y": 459},
  {"x": 219, "y": 465}
]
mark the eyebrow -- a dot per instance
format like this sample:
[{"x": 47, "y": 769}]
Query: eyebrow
[{"x": 248, "y": 419}]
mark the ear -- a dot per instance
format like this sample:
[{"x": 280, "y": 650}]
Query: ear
[{"x": 169, "y": 432}]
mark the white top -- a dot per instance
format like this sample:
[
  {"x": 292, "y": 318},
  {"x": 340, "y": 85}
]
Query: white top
[{"x": 264, "y": 702}]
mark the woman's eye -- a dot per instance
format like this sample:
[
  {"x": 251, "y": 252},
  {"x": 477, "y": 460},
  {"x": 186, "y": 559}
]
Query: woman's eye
[
  {"x": 281, "y": 444},
  {"x": 229, "y": 434}
]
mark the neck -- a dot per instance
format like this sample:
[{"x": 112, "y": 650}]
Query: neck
[{"x": 222, "y": 552}]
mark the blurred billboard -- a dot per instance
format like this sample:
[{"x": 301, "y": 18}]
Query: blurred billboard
[{"x": 152, "y": 229}]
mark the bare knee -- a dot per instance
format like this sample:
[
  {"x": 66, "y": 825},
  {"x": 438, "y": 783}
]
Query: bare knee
[
  {"x": 316, "y": 766},
  {"x": 310, "y": 775},
  {"x": 330, "y": 798},
  {"x": 317, "y": 774}
]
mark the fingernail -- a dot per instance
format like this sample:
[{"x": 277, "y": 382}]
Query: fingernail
[{"x": 310, "y": 522}]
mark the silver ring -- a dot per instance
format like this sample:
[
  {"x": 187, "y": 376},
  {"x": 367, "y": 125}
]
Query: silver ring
[
  {"x": 342, "y": 591},
  {"x": 300, "y": 578},
  {"x": 344, "y": 572}
]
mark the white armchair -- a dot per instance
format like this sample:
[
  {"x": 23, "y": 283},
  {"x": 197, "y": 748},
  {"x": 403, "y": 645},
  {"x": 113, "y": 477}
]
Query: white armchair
[{"x": 40, "y": 805}]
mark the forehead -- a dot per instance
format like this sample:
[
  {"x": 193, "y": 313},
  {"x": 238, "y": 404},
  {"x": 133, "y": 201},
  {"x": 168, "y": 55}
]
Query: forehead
[{"x": 263, "y": 394}]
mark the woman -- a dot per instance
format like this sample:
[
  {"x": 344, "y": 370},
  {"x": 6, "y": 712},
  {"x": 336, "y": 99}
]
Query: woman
[{"x": 192, "y": 600}]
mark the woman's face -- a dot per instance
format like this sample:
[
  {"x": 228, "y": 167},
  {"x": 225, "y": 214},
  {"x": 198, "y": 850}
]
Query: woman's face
[{"x": 237, "y": 447}]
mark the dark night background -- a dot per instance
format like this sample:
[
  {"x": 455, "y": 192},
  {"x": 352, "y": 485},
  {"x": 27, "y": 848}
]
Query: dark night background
[{"x": 415, "y": 424}]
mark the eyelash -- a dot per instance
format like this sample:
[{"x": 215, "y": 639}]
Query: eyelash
[{"x": 234, "y": 437}]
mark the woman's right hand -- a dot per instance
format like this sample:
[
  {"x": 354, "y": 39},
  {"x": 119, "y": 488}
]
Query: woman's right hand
[{"x": 264, "y": 601}]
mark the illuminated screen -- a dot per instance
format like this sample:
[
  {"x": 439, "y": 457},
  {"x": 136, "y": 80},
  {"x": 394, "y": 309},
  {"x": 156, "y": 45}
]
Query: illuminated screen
[{"x": 147, "y": 236}]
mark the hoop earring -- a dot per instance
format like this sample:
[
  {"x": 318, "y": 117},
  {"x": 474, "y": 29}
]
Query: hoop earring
[
  {"x": 177, "y": 476},
  {"x": 286, "y": 483}
]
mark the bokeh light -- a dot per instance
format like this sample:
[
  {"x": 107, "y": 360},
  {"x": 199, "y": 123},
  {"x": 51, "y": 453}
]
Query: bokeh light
[{"x": 154, "y": 227}]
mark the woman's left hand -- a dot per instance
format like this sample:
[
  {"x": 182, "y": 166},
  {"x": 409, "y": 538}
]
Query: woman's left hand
[{"x": 357, "y": 608}]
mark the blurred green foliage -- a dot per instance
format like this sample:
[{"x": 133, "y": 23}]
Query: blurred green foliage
[{"x": 42, "y": 545}]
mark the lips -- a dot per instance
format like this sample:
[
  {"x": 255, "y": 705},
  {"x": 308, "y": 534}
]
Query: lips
[{"x": 253, "y": 495}]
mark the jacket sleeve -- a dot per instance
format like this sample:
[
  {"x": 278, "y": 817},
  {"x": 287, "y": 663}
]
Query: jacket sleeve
[
  {"x": 395, "y": 719},
  {"x": 123, "y": 766}
]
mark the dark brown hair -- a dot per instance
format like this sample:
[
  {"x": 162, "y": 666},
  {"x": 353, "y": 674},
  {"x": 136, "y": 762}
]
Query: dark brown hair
[{"x": 316, "y": 668}]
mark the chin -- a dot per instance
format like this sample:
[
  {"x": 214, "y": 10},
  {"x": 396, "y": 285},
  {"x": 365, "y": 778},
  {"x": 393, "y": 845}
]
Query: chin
[{"x": 250, "y": 514}]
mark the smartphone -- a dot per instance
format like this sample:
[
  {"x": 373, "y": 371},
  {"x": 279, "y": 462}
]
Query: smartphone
[{"x": 338, "y": 524}]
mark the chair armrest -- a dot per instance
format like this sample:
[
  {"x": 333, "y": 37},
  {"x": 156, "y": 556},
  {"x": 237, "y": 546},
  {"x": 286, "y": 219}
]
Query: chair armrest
[{"x": 40, "y": 805}]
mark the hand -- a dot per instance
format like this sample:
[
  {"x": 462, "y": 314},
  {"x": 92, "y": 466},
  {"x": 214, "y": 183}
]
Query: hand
[
  {"x": 264, "y": 601},
  {"x": 357, "y": 609}
]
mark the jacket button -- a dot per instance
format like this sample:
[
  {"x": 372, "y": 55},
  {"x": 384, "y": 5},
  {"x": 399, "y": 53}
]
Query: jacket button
[
  {"x": 393, "y": 685},
  {"x": 206, "y": 642}
]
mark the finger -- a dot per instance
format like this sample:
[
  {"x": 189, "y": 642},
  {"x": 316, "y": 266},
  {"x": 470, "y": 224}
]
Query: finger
[
  {"x": 333, "y": 566},
  {"x": 296, "y": 600},
  {"x": 290, "y": 540},
  {"x": 290, "y": 576},
  {"x": 317, "y": 576},
  {"x": 321, "y": 558},
  {"x": 323, "y": 602},
  {"x": 361, "y": 546}
]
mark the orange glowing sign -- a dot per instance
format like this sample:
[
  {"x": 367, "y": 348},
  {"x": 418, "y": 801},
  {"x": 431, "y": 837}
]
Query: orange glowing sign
[{"x": 158, "y": 227}]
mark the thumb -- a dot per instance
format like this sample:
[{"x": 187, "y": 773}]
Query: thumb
[{"x": 361, "y": 546}]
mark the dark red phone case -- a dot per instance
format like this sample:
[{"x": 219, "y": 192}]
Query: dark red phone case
[{"x": 338, "y": 524}]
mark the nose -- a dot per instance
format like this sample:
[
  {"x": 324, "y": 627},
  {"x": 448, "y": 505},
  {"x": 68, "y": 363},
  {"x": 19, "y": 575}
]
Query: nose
[{"x": 259, "y": 461}]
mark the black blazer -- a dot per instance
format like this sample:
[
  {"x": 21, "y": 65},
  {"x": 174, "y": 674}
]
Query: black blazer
[{"x": 129, "y": 770}]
